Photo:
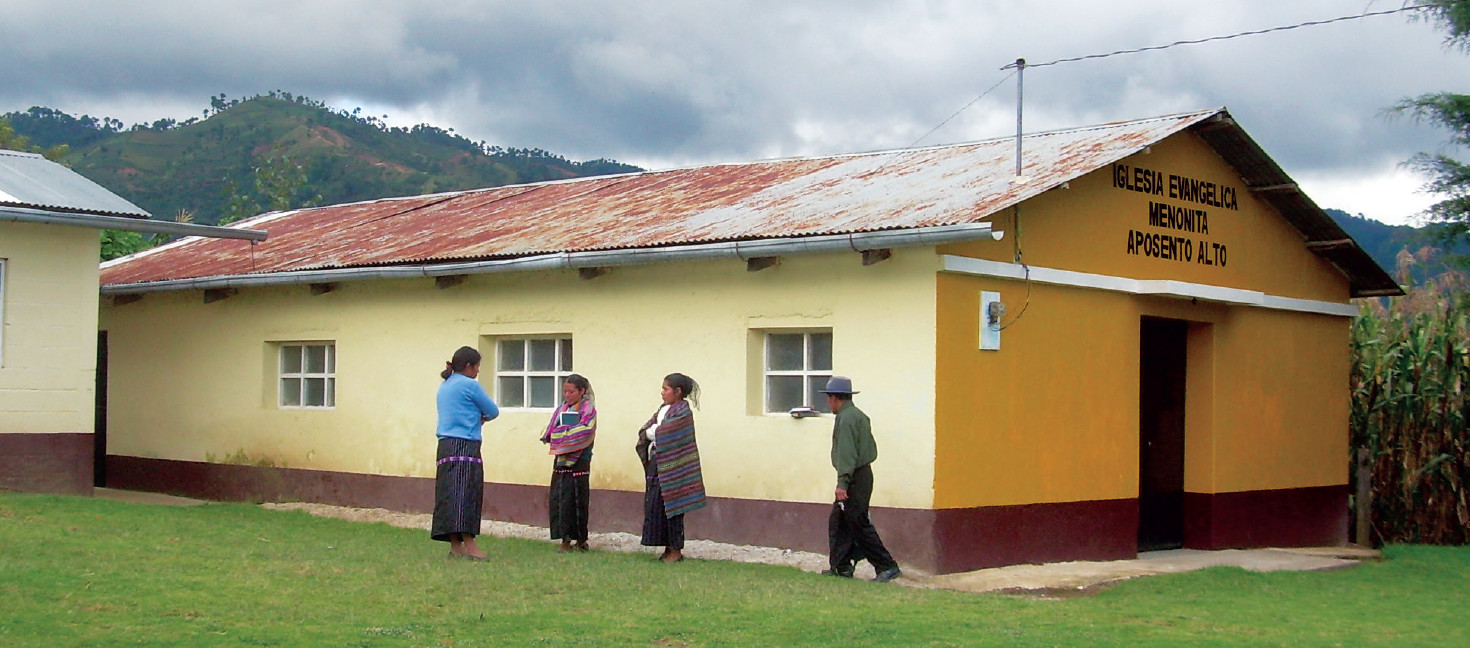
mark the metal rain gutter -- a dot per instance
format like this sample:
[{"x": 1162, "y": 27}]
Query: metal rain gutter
[
  {"x": 20, "y": 215},
  {"x": 742, "y": 250}
]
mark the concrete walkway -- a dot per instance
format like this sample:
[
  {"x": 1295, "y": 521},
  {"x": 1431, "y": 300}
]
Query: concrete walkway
[
  {"x": 139, "y": 497},
  {"x": 1051, "y": 580},
  {"x": 1081, "y": 578}
]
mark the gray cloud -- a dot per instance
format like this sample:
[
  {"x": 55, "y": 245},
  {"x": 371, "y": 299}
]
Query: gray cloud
[{"x": 665, "y": 82}]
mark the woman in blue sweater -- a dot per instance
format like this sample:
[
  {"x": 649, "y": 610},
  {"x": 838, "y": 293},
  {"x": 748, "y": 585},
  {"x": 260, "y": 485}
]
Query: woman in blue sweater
[{"x": 459, "y": 480}]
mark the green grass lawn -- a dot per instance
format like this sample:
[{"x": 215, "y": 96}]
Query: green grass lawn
[{"x": 92, "y": 572}]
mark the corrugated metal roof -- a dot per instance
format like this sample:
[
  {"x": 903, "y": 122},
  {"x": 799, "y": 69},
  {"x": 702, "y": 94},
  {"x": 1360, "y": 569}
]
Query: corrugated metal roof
[
  {"x": 913, "y": 188},
  {"x": 30, "y": 181}
]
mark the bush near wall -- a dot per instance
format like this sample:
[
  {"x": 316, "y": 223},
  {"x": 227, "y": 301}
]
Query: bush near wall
[{"x": 1411, "y": 367}]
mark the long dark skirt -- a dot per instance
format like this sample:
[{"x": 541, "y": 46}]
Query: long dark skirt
[
  {"x": 570, "y": 488},
  {"x": 659, "y": 530},
  {"x": 459, "y": 484}
]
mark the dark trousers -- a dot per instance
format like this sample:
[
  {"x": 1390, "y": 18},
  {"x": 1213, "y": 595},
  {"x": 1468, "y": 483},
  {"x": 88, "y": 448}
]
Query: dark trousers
[{"x": 850, "y": 533}]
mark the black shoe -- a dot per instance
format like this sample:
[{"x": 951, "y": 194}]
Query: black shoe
[
  {"x": 888, "y": 574},
  {"x": 843, "y": 574}
]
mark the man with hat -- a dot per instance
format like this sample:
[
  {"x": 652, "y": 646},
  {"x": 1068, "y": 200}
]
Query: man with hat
[{"x": 850, "y": 534}]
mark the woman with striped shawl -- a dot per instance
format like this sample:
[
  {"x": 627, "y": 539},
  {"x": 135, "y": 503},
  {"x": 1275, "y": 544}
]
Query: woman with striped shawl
[
  {"x": 670, "y": 458},
  {"x": 570, "y": 433}
]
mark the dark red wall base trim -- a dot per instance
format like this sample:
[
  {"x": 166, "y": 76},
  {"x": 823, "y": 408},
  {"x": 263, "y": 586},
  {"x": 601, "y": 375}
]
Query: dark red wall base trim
[
  {"x": 1293, "y": 517},
  {"x": 942, "y": 541},
  {"x": 994, "y": 536},
  {"x": 793, "y": 525},
  {"x": 46, "y": 463}
]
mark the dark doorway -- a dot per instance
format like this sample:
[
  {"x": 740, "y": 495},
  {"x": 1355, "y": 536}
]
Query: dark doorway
[
  {"x": 1163, "y": 345},
  {"x": 99, "y": 423}
]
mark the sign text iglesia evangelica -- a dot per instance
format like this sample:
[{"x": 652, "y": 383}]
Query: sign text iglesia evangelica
[{"x": 1188, "y": 219}]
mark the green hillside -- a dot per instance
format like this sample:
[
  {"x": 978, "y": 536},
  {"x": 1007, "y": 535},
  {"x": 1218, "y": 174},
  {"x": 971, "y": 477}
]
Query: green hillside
[
  {"x": 274, "y": 150},
  {"x": 1385, "y": 242}
]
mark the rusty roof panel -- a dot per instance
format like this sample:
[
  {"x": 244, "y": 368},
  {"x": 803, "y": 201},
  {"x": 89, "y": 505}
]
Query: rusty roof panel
[
  {"x": 722, "y": 202},
  {"x": 911, "y": 188}
]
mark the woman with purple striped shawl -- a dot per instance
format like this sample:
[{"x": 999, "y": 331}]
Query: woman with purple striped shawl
[
  {"x": 570, "y": 433},
  {"x": 670, "y": 458},
  {"x": 459, "y": 479}
]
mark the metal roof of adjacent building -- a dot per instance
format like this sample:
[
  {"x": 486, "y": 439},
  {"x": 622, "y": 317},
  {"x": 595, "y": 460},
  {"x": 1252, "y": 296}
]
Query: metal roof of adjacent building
[
  {"x": 30, "y": 181},
  {"x": 803, "y": 197}
]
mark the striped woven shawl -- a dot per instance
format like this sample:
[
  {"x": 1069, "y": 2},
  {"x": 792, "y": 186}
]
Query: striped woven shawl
[
  {"x": 568, "y": 441},
  {"x": 679, "y": 476}
]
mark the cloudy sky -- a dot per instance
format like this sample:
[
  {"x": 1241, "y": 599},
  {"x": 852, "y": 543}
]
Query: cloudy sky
[{"x": 663, "y": 83}]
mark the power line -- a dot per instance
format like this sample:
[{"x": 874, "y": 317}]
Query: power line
[
  {"x": 1014, "y": 67},
  {"x": 962, "y": 109},
  {"x": 1310, "y": 23}
]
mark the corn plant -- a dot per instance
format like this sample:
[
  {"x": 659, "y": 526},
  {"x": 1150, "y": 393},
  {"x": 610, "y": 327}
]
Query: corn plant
[{"x": 1411, "y": 365}]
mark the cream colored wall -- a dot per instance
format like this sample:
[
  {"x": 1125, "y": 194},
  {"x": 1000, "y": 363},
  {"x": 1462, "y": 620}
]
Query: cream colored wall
[
  {"x": 49, "y": 339},
  {"x": 194, "y": 381}
]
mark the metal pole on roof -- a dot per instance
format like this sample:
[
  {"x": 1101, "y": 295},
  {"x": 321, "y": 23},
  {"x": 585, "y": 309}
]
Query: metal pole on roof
[{"x": 1020, "y": 77}]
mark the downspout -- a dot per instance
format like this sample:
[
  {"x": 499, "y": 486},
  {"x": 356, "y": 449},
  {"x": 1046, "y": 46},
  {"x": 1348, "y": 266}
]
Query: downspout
[{"x": 742, "y": 250}]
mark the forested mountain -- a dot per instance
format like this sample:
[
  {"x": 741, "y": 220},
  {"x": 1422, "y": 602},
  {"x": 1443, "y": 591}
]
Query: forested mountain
[
  {"x": 1384, "y": 242},
  {"x": 277, "y": 150}
]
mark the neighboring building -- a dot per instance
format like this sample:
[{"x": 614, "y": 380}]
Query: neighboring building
[
  {"x": 50, "y": 219},
  {"x": 1170, "y": 367}
]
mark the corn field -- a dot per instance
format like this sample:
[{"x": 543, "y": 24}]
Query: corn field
[{"x": 1411, "y": 365}]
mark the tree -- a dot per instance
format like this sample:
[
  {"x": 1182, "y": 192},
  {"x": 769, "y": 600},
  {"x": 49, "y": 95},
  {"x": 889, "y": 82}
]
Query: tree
[
  {"x": 1448, "y": 176},
  {"x": 9, "y": 139},
  {"x": 118, "y": 243},
  {"x": 278, "y": 181}
]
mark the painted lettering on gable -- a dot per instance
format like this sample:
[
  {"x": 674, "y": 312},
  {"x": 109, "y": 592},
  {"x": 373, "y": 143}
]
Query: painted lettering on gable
[
  {"x": 1178, "y": 187},
  {"x": 1177, "y": 221}
]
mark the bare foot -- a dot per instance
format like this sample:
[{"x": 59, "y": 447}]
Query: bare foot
[
  {"x": 471, "y": 550},
  {"x": 672, "y": 556}
]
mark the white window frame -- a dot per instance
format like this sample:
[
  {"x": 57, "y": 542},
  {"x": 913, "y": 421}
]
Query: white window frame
[
  {"x": 328, "y": 375},
  {"x": 807, "y": 371},
  {"x": 561, "y": 368}
]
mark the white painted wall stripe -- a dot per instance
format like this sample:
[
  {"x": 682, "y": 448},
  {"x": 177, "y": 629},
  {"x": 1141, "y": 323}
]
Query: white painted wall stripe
[{"x": 1159, "y": 287}]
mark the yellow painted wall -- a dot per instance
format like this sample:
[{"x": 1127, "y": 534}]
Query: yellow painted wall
[
  {"x": 193, "y": 381},
  {"x": 49, "y": 337},
  {"x": 1053, "y": 415},
  {"x": 1085, "y": 228}
]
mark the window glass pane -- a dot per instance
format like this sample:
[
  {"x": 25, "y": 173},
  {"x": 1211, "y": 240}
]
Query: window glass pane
[
  {"x": 316, "y": 359},
  {"x": 783, "y": 393},
  {"x": 316, "y": 392},
  {"x": 815, "y": 398},
  {"x": 783, "y": 352},
  {"x": 331, "y": 358},
  {"x": 512, "y": 355},
  {"x": 511, "y": 391},
  {"x": 291, "y": 391},
  {"x": 566, "y": 356},
  {"x": 291, "y": 359},
  {"x": 821, "y": 356},
  {"x": 543, "y": 391},
  {"x": 331, "y": 392},
  {"x": 543, "y": 355}
]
